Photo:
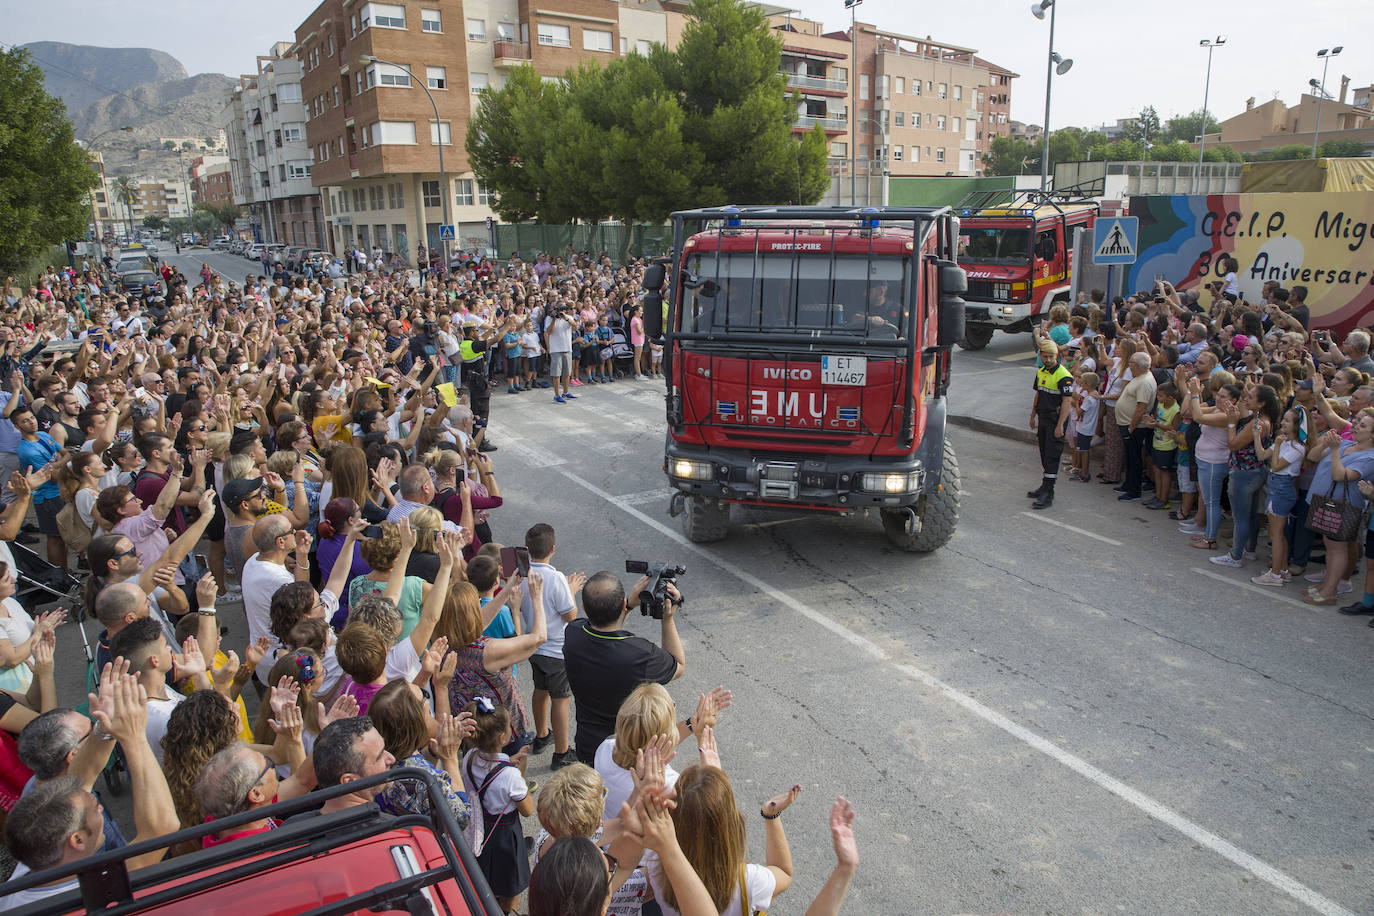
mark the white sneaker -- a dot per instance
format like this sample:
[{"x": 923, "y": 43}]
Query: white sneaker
[
  {"x": 1226, "y": 560},
  {"x": 1344, "y": 588},
  {"x": 1269, "y": 579},
  {"x": 641, "y": 378},
  {"x": 1191, "y": 528},
  {"x": 1250, "y": 555},
  {"x": 1314, "y": 577}
]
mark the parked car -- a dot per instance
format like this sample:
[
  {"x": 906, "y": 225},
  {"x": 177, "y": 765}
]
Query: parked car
[
  {"x": 237, "y": 246},
  {"x": 254, "y": 251},
  {"x": 315, "y": 258},
  {"x": 291, "y": 257}
]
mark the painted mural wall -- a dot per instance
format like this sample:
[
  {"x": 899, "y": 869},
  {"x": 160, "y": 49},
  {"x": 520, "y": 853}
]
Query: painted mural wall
[{"x": 1318, "y": 240}]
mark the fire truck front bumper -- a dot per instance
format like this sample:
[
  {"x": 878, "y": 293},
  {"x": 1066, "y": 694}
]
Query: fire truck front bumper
[{"x": 833, "y": 482}]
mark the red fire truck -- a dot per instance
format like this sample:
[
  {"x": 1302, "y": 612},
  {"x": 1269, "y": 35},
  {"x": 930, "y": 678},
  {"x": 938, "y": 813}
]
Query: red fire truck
[
  {"x": 807, "y": 352},
  {"x": 1016, "y": 249}
]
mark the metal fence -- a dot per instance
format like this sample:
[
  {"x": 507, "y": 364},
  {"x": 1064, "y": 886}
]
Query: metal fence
[{"x": 621, "y": 242}]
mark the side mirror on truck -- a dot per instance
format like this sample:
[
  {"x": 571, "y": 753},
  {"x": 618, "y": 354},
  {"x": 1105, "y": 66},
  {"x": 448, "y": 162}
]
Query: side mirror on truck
[
  {"x": 652, "y": 284},
  {"x": 953, "y": 284}
]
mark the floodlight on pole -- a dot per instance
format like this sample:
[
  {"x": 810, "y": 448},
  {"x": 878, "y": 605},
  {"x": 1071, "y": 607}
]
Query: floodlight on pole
[
  {"x": 1325, "y": 54},
  {"x": 438, "y": 135},
  {"x": 1211, "y": 44},
  {"x": 853, "y": 7},
  {"x": 1054, "y": 64}
]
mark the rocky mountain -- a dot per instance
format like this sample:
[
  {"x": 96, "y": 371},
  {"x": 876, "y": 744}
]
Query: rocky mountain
[
  {"x": 187, "y": 107},
  {"x": 83, "y": 74},
  {"x": 148, "y": 90}
]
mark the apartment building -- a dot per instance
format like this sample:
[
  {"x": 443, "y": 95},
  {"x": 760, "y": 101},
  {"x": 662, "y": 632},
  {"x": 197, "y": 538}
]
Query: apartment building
[
  {"x": 163, "y": 197},
  {"x": 1272, "y": 124},
  {"x": 372, "y": 126},
  {"x": 210, "y": 181},
  {"x": 923, "y": 107},
  {"x": 264, "y": 124}
]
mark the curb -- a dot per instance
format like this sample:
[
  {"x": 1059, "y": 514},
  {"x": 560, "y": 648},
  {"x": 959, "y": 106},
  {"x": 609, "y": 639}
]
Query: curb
[{"x": 993, "y": 428}]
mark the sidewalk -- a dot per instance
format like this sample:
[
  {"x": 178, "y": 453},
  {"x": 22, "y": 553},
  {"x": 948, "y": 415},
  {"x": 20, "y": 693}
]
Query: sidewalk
[{"x": 990, "y": 391}]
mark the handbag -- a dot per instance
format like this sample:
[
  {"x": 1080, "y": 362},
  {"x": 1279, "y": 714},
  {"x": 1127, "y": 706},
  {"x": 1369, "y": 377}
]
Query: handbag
[{"x": 1332, "y": 517}]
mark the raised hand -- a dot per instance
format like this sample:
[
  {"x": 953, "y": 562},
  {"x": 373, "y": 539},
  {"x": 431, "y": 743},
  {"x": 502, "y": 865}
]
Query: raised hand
[
  {"x": 223, "y": 676},
  {"x": 709, "y": 706},
  {"x": 273, "y": 480},
  {"x": 434, "y": 656},
  {"x": 780, "y": 803},
  {"x": 283, "y": 694},
  {"x": 207, "y": 588},
  {"x": 649, "y": 773},
  {"x": 207, "y": 502},
  {"x": 345, "y": 707},
  {"x": 302, "y": 544},
  {"x": 448, "y": 745},
  {"x": 256, "y": 651},
  {"x": 576, "y": 581},
  {"x": 842, "y": 834},
  {"x": 43, "y": 650},
  {"x": 706, "y": 747},
  {"x": 444, "y": 676},
  {"x": 288, "y": 721},
  {"x": 449, "y": 548},
  {"x": 46, "y": 623},
  {"x": 192, "y": 660},
  {"x": 122, "y": 712},
  {"x": 407, "y": 535},
  {"x": 165, "y": 577}
]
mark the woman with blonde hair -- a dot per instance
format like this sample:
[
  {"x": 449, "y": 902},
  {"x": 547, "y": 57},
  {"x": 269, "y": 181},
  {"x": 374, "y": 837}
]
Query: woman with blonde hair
[
  {"x": 647, "y": 713},
  {"x": 424, "y": 559}
]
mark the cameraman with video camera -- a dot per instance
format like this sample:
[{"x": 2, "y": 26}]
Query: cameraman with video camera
[{"x": 605, "y": 662}]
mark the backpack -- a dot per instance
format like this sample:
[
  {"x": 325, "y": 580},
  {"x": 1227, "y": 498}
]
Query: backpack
[{"x": 75, "y": 534}]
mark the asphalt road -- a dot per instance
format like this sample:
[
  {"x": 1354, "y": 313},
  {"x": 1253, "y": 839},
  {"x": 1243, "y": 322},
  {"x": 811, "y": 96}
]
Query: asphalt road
[{"x": 1067, "y": 712}]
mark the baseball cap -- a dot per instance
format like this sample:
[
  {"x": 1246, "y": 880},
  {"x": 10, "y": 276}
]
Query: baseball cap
[{"x": 240, "y": 489}]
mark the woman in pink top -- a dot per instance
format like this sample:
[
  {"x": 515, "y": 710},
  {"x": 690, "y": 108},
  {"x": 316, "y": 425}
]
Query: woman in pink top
[{"x": 637, "y": 339}]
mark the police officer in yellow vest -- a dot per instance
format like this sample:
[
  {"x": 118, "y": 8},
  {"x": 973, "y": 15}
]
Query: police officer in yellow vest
[{"x": 1050, "y": 418}]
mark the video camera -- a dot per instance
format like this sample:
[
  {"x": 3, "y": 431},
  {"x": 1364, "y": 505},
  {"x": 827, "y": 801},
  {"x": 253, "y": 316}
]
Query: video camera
[{"x": 653, "y": 598}]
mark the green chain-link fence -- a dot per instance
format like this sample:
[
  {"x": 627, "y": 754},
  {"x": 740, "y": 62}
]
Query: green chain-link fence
[{"x": 621, "y": 243}]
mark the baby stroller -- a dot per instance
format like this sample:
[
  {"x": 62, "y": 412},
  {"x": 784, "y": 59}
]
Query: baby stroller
[
  {"x": 40, "y": 583},
  {"x": 621, "y": 354},
  {"x": 115, "y": 768}
]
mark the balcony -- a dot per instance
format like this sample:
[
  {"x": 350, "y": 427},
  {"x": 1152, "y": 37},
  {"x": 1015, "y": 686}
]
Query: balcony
[
  {"x": 818, "y": 84},
  {"x": 510, "y": 53},
  {"x": 829, "y": 125}
]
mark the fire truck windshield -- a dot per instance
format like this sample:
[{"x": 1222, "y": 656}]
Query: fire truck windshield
[
  {"x": 994, "y": 245},
  {"x": 844, "y": 294}
]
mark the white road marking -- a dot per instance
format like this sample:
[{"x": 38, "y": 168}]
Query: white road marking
[
  {"x": 662, "y": 494},
  {"x": 1133, "y": 797},
  {"x": 965, "y": 373},
  {"x": 1273, "y": 594},
  {"x": 1015, "y": 357},
  {"x": 1058, "y": 524}
]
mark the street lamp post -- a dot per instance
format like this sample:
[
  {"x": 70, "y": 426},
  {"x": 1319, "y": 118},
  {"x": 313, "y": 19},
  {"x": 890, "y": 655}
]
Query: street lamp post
[
  {"x": 438, "y": 132},
  {"x": 1054, "y": 64},
  {"x": 853, "y": 7},
  {"x": 1211, "y": 44},
  {"x": 1325, "y": 55}
]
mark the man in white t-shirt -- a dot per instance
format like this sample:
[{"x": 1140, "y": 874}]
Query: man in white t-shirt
[
  {"x": 558, "y": 331},
  {"x": 264, "y": 573},
  {"x": 552, "y": 693},
  {"x": 145, "y": 648}
]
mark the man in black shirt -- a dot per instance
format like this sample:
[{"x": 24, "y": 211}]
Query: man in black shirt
[{"x": 605, "y": 662}]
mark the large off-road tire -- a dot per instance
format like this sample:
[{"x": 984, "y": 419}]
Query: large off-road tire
[
  {"x": 976, "y": 336},
  {"x": 705, "y": 520},
  {"x": 938, "y": 511}
]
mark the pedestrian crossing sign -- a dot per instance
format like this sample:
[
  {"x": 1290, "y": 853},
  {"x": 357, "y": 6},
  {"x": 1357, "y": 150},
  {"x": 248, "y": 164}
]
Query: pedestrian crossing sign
[
  {"x": 1114, "y": 240},
  {"x": 446, "y": 233}
]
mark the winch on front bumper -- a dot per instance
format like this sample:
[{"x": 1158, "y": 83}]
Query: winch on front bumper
[{"x": 835, "y": 482}]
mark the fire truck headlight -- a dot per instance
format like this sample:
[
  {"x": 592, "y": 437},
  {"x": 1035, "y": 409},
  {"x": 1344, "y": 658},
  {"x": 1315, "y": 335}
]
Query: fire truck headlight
[
  {"x": 890, "y": 483},
  {"x": 688, "y": 469}
]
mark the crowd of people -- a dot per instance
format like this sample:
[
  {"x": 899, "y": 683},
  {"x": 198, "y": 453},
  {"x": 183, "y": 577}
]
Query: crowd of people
[
  {"x": 1225, "y": 414},
  {"x": 312, "y": 459}
]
